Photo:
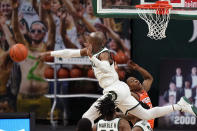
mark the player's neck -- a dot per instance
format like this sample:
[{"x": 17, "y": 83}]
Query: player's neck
[
  {"x": 109, "y": 118},
  {"x": 137, "y": 90}
]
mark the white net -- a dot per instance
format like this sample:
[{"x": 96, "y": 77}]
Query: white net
[{"x": 157, "y": 21}]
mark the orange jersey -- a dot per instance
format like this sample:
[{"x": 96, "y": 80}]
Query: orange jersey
[{"x": 143, "y": 97}]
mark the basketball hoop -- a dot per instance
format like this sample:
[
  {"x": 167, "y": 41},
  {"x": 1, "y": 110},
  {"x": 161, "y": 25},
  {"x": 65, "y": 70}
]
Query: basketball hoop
[{"x": 157, "y": 16}]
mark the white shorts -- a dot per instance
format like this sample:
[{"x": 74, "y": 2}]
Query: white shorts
[
  {"x": 124, "y": 100},
  {"x": 144, "y": 125}
]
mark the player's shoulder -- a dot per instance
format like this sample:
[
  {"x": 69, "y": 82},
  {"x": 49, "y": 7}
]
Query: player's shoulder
[
  {"x": 123, "y": 123},
  {"x": 143, "y": 91},
  {"x": 136, "y": 95}
]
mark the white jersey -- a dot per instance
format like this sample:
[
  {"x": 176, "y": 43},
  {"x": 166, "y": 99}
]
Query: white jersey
[
  {"x": 144, "y": 125},
  {"x": 112, "y": 125},
  {"x": 104, "y": 78}
]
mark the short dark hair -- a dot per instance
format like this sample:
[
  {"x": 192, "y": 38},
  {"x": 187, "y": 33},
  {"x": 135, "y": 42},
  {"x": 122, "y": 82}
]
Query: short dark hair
[
  {"x": 84, "y": 124},
  {"x": 106, "y": 107}
]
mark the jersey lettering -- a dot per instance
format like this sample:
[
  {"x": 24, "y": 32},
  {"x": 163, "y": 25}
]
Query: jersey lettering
[{"x": 104, "y": 125}]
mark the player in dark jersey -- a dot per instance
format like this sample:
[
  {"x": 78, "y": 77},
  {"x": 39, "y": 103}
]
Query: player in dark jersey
[{"x": 139, "y": 91}]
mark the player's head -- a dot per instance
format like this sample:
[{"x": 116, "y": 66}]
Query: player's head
[
  {"x": 134, "y": 84},
  {"x": 84, "y": 124},
  {"x": 97, "y": 39},
  {"x": 107, "y": 107}
]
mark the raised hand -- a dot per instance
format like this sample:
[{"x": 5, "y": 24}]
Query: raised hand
[
  {"x": 63, "y": 14},
  {"x": 80, "y": 12},
  {"x": 3, "y": 19},
  {"x": 101, "y": 27},
  {"x": 132, "y": 65},
  {"x": 15, "y": 4},
  {"x": 89, "y": 50}
]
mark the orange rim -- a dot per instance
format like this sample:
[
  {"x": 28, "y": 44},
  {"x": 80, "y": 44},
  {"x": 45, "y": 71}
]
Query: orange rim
[{"x": 157, "y": 5}]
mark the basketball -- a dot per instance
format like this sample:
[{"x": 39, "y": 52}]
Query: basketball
[
  {"x": 18, "y": 52},
  {"x": 91, "y": 73},
  {"x": 49, "y": 73},
  {"x": 63, "y": 73},
  {"x": 75, "y": 72},
  {"x": 120, "y": 57}
]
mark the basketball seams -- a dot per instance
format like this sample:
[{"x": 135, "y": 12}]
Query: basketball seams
[
  {"x": 21, "y": 52},
  {"x": 13, "y": 52},
  {"x": 18, "y": 52}
]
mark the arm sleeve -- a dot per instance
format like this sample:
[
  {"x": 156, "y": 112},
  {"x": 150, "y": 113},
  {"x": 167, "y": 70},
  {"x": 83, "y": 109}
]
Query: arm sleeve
[
  {"x": 103, "y": 65},
  {"x": 66, "y": 53}
]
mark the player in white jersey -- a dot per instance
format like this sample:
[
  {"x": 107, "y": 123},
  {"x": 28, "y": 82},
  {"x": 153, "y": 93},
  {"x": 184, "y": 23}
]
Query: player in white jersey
[
  {"x": 107, "y": 76},
  {"x": 109, "y": 122}
]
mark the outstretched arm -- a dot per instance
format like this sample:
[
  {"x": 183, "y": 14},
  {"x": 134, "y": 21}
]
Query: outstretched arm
[
  {"x": 5, "y": 59},
  {"x": 6, "y": 31},
  {"x": 65, "y": 53},
  {"x": 148, "y": 79},
  {"x": 67, "y": 42},
  {"x": 15, "y": 24},
  {"x": 42, "y": 8},
  {"x": 51, "y": 31},
  {"x": 35, "y": 6}
]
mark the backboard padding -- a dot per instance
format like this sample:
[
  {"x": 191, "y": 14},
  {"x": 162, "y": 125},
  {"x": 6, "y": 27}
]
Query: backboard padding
[{"x": 187, "y": 11}]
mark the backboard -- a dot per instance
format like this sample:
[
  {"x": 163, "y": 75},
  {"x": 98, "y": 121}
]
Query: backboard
[{"x": 182, "y": 9}]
